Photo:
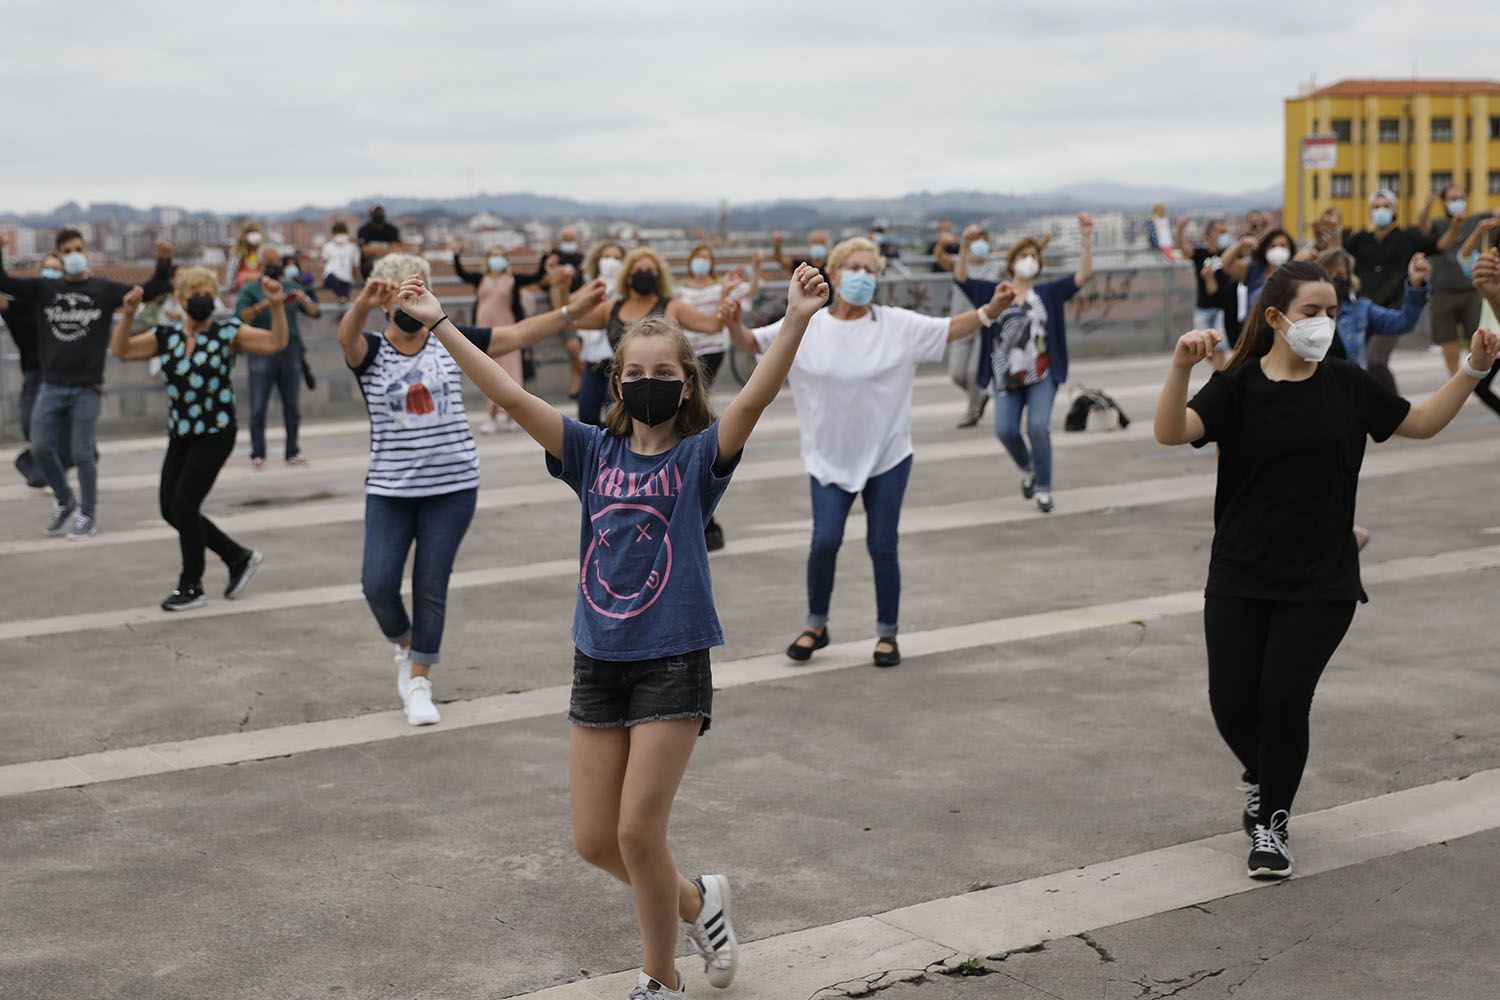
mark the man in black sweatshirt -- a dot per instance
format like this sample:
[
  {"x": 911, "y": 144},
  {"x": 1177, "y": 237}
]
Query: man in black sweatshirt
[
  {"x": 74, "y": 317},
  {"x": 20, "y": 316}
]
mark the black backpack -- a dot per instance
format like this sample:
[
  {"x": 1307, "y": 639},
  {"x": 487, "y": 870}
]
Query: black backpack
[{"x": 1086, "y": 402}]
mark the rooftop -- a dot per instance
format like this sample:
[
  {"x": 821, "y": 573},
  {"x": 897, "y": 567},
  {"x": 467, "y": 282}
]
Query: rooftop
[{"x": 1367, "y": 88}]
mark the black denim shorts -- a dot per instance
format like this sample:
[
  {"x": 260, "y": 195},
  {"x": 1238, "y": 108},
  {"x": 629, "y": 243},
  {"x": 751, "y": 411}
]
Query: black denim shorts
[{"x": 609, "y": 693}]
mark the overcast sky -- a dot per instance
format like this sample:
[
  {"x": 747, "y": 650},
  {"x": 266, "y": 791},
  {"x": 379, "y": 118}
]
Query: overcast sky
[{"x": 265, "y": 106}]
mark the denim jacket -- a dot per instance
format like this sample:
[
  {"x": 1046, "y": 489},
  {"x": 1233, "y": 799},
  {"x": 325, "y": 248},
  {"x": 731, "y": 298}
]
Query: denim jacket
[{"x": 1359, "y": 319}]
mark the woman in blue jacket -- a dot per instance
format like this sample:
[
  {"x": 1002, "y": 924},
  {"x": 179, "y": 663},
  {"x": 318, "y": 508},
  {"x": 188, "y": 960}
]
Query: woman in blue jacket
[
  {"x": 1360, "y": 319},
  {"x": 1025, "y": 353}
]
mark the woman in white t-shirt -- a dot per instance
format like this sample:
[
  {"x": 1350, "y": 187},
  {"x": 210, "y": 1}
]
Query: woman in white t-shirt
[
  {"x": 851, "y": 383},
  {"x": 703, "y": 288}
]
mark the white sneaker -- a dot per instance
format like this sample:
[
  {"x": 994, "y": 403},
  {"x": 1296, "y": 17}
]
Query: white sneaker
[
  {"x": 420, "y": 711},
  {"x": 712, "y": 934},
  {"x": 61, "y": 513},
  {"x": 647, "y": 988},
  {"x": 84, "y": 527},
  {"x": 403, "y": 669},
  {"x": 489, "y": 426}
]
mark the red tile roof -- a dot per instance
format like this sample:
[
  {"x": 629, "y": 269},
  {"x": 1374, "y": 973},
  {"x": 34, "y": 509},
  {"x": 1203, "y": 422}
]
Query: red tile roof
[{"x": 1365, "y": 88}]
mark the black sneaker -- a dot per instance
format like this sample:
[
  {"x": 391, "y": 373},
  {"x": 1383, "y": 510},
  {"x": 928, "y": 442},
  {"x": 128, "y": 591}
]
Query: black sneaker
[
  {"x": 62, "y": 513},
  {"x": 713, "y": 536},
  {"x": 1028, "y": 486},
  {"x": 1270, "y": 858},
  {"x": 1251, "y": 816},
  {"x": 185, "y": 600},
  {"x": 240, "y": 574}
]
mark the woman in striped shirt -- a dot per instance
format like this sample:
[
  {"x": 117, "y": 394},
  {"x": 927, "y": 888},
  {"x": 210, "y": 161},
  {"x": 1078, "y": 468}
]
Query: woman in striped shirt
[{"x": 424, "y": 467}]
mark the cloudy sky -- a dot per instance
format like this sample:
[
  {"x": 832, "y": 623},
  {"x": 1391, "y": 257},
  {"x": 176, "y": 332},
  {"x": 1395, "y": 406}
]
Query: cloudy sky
[{"x": 263, "y": 106}]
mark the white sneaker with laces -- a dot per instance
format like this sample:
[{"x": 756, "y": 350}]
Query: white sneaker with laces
[
  {"x": 84, "y": 527},
  {"x": 647, "y": 988},
  {"x": 712, "y": 934},
  {"x": 403, "y": 669},
  {"x": 420, "y": 711},
  {"x": 61, "y": 512}
]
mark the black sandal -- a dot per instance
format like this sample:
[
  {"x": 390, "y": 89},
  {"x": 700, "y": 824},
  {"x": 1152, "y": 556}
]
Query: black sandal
[
  {"x": 890, "y": 659},
  {"x": 804, "y": 653}
]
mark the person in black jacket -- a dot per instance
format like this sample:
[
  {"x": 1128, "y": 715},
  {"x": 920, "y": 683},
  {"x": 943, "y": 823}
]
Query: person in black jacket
[{"x": 20, "y": 316}]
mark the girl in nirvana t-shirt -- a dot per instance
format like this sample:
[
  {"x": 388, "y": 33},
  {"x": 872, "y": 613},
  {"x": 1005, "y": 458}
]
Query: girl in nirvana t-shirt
[{"x": 1283, "y": 578}]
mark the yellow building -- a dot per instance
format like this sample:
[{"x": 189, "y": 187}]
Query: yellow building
[{"x": 1412, "y": 136}]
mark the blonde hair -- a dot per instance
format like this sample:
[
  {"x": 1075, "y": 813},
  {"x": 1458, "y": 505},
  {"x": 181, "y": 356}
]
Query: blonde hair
[
  {"x": 853, "y": 245},
  {"x": 242, "y": 247},
  {"x": 192, "y": 279},
  {"x": 663, "y": 272},
  {"x": 591, "y": 262},
  {"x": 695, "y": 414},
  {"x": 713, "y": 259},
  {"x": 397, "y": 267}
]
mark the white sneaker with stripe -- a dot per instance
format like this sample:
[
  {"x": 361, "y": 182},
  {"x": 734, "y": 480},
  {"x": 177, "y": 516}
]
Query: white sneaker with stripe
[{"x": 712, "y": 934}]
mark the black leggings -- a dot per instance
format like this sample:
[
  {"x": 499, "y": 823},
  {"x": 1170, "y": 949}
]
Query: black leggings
[
  {"x": 1264, "y": 661},
  {"x": 187, "y": 474}
]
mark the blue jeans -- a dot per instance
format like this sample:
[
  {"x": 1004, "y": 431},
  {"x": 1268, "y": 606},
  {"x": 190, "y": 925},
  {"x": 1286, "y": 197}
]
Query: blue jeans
[
  {"x": 1036, "y": 401},
  {"x": 282, "y": 372},
  {"x": 830, "y": 506},
  {"x": 593, "y": 392},
  {"x": 52, "y": 438},
  {"x": 437, "y": 525}
]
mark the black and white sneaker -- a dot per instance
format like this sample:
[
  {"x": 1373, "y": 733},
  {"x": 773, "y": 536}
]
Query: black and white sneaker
[
  {"x": 712, "y": 934},
  {"x": 1251, "y": 816},
  {"x": 1044, "y": 502},
  {"x": 647, "y": 988},
  {"x": 61, "y": 514},
  {"x": 1028, "y": 486},
  {"x": 1269, "y": 856},
  {"x": 185, "y": 600},
  {"x": 240, "y": 574}
]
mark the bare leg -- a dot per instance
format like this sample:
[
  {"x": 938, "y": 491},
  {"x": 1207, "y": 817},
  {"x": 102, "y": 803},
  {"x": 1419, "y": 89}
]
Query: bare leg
[{"x": 1450, "y": 356}]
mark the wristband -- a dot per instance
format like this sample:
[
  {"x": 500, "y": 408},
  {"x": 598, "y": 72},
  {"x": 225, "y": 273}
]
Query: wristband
[
  {"x": 437, "y": 323},
  {"x": 1470, "y": 370},
  {"x": 567, "y": 314},
  {"x": 985, "y": 319}
]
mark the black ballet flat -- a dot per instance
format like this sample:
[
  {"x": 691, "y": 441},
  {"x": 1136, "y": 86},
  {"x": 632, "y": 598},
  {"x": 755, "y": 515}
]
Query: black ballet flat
[
  {"x": 890, "y": 659},
  {"x": 804, "y": 653}
]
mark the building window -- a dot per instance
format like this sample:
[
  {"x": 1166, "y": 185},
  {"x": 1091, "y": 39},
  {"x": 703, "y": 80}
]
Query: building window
[
  {"x": 1495, "y": 182},
  {"x": 1441, "y": 182},
  {"x": 1494, "y": 127},
  {"x": 1391, "y": 182},
  {"x": 1341, "y": 186},
  {"x": 1316, "y": 194},
  {"x": 1390, "y": 130},
  {"x": 1342, "y": 128},
  {"x": 1442, "y": 130}
]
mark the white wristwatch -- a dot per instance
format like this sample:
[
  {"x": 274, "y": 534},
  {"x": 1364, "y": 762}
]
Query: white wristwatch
[
  {"x": 985, "y": 319},
  {"x": 1469, "y": 370}
]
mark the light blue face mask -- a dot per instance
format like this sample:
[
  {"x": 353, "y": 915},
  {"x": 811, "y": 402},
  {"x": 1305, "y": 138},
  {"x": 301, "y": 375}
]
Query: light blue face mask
[
  {"x": 498, "y": 264},
  {"x": 1457, "y": 206},
  {"x": 979, "y": 249},
  {"x": 1382, "y": 217},
  {"x": 1224, "y": 241},
  {"x": 817, "y": 251},
  {"x": 700, "y": 267},
  {"x": 857, "y": 287},
  {"x": 75, "y": 263},
  {"x": 1466, "y": 263},
  {"x": 51, "y": 273},
  {"x": 568, "y": 246}
]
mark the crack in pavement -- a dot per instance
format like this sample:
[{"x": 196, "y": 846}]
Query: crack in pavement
[{"x": 1099, "y": 949}]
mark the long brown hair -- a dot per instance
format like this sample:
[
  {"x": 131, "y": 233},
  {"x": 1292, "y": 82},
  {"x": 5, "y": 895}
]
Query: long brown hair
[
  {"x": 1279, "y": 291},
  {"x": 695, "y": 415}
]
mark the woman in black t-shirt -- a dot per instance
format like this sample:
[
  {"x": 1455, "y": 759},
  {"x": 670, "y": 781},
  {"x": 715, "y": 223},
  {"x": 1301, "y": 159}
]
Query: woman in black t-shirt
[
  {"x": 197, "y": 358},
  {"x": 1283, "y": 579}
]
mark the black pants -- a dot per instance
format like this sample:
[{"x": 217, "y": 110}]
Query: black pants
[
  {"x": 1486, "y": 390},
  {"x": 188, "y": 473},
  {"x": 1264, "y": 661}
]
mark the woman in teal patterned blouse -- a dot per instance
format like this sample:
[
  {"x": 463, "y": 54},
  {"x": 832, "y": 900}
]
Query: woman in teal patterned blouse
[{"x": 197, "y": 362}]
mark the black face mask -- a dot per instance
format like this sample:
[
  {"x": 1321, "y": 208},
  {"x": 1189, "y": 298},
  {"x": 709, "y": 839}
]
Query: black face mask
[
  {"x": 377, "y": 218},
  {"x": 406, "y": 322},
  {"x": 1341, "y": 288},
  {"x": 199, "y": 307},
  {"x": 644, "y": 282},
  {"x": 652, "y": 401}
]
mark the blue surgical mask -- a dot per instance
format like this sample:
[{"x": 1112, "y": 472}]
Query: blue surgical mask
[
  {"x": 979, "y": 249},
  {"x": 51, "y": 273},
  {"x": 857, "y": 287},
  {"x": 75, "y": 263},
  {"x": 880, "y": 239},
  {"x": 700, "y": 267},
  {"x": 817, "y": 251},
  {"x": 1457, "y": 206},
  {"x": 568, "y": 246},
  {"x": 1382, "y": 217},
  {"x": 1224, "y": 241},
  {"x": 498, "y": 264}
]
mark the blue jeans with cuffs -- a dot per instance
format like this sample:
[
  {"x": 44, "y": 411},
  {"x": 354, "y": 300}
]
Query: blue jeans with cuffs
[
  {"x": 830, "y": 507},
  {"x": 437, "y": 525}
]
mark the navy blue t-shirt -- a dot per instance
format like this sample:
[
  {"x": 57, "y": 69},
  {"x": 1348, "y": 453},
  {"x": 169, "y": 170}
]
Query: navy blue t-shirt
[{"x": 644, "y": 589}]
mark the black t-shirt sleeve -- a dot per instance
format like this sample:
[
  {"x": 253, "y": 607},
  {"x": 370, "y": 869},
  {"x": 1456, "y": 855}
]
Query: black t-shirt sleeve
[
  {"x": 1217, "y": 406},
  {"x": 479, "y": 336},
  {"x": 1380, "y": 410},
  {"x": 372, "y": 347},
  {"x": 162, "y": 331}
]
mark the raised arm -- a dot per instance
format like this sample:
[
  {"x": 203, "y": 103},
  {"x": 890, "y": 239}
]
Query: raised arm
[
  {"x": 466, "y": 276},
  {"x": 535, "y": 329},
  {"x": 160, "y": 282},
  {"x": 967, "y": 324},
  {"x": 124, "y": 345},
  {"x": 1394, "y": 322},
  {"x": 536, "y": 417},
  {"x": 1450, "y": 235},
  {"x": 1424, "y": 217},
  {"x": 1487, "y": 277},
  {"x": 352, "y": 326},
  {"x": 1435, "y": 412},
  {"x": 740, "y": 335},
  {"x": 806, "y": 293},
  {"x": 254, "y": 340},
  {"x": 1175, "y": 422},
  {"x": 15, "y": 287},
  {"x": 966, "y": 241},
  {"x": 1086, "y": 250},
  {"x": 1235, "y": 263},
  {"x": 694, "y": 319},
  {"x": 1476, "y": 234}
]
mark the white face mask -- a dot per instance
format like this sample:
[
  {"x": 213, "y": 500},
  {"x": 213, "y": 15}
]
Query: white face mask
[
  {"x": 1027, "y": 267},
  {"x": 341, "y": 238},
  {"x": 609, "y": 268},
  {"x": 1310, "y": 338},
  {"x": 1276, "y": 256},
  {"x": 253, "y": 239}
]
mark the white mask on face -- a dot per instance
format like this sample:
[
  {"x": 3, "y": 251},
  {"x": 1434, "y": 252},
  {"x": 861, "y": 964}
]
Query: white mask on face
[
  {"x": 1276, "y": 256},
  {"x": 609, "y": 268},
  {"x": 253, "y": 239},
  {"x": 1310, "y": 338},
  {"x": 1027, "y": 267}
]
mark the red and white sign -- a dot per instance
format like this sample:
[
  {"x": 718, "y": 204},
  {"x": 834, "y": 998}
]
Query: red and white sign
[{"x": 1320, "y": 152}]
